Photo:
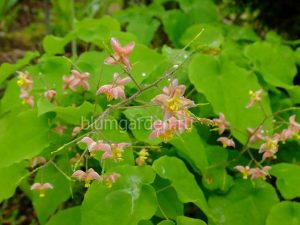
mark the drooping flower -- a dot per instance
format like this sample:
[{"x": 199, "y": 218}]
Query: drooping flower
[
  {"x": 38, "y": 160},
  {"x": 257, "y": 173},
  {"x": 115, "y": 152},
  {"x": 25, "y": 81},
  {"x": 255, "y": 96},
  {"x": 142, "y": 157},
  {"x": 227, "y": 142},
  {"x": 244, "y": 170},
  {"x": 293, "y": 125},
  {"x": 41, "y": 188},
  {"x": 255, "y": 134},
  {"x": 87, "y": 177},
  {"x": 172, "y": 100},
  {"x": 221, "y": 123},
  {"x": 50, "y": 94},
  {"x": 27, "y": 99},
  {"x": 76, "y": 80},
  {"x": 115, "y": 90},
  {"x": 95, "y": 146},
  {"x": 76, "y": 130},
  {"x": 121, "y": 54},
  {"x": 269, "y": 148},
  {"x": 109, "y": 180}
]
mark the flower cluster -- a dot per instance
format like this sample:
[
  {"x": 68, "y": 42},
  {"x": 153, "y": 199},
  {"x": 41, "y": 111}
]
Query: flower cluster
[
  {"x": 176, "y": 117},
  {"x": 254, "y": 173},
  {"x": 110, "y": 151},
  {"x": 223, "y": 125},
  {"x": 25, "y": 83},
  {"x": 87, "y": 177},
  {"x": 76, "y": 80}
]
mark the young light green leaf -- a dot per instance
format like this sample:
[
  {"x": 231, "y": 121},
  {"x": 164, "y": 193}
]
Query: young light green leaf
[
  {"x": 182, "y": 180},
  {"x": 284, "y": 213},
  {"x": 287, "y": 179},
  {"x": 245, "y": 204}
]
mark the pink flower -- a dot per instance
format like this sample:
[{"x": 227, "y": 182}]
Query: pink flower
[
  {"x": 257, "y": 173},
  {"x": 41, "y": 188},
  {"x": 221, "y": 123},
  {"x": 172, "y": 99},
  {"x": 94, "y": 146},
  {"x": 68, "y": 83},
  {"x": 26, "y": 98},
  {"x": 293, "y": 125},
  {"x": 255, "y": 134},
  {"x": 226, "y": 142},
  {"x": 168, "y": 128},
  {"x": 50, "y": 94},
  {"x": 87, "y": 177},
  {"x": 254, "y": 97},
  {"x": 76, "y": 80},
  {"x": 269, "y": 148},
  {"x": 76, "y": 130},
  {"x": 115, "y": 90},
  {"x": 244, "y": 170},
  {"x": 25, "y": 81},
  {"x": 121, "y": 54},
  {"x": 115, "y": 152},
  {"x": 109, "y": 180}
]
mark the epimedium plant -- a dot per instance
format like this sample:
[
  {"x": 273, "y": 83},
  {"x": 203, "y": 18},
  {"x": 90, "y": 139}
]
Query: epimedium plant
[{"x": 222, "y": 138}]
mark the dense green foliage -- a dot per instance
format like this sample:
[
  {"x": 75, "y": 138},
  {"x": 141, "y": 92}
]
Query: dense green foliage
[{"x": 188, "y": 179}]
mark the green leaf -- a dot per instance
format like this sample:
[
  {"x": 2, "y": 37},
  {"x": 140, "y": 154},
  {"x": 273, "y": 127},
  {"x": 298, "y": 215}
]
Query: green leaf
[
  {"x": 75, "y": 115},
  {"x": 11, "y": 98},
  {"x": 61, "y": 191},
  {"x": 175, "y": 23},
  {"x": 211, "y": 36},
  {"x": 55, "y": 45},
  {"x": 166, "y": 222},
  {"x": 190, "y": 146},
  {"x": 182, "y": 181},
  {"x": 170, "y": 205},
  {"x": 226, "y": 87},
  {"x": 96, "y": 30},
  {"x": 66, "y": 216},
  {"x": 183, "y": 220},
  {"x": 23, "y": 135},
  {"x": 135, "y": 19},
  {"x": 10, "y": 178},
  {"x": 7, "y": 69},
  {"x": 200, "y": 10},
  {"x": 215, "y": 177},
  {"x": 287, "y": 179},
  {"x": 146, "y": 60},
  {"x": 275, "y": 63},
  {"x": 245, "y": 204},
  {"x": 284, "y": 213},
  {"x": 131, "y": 198},
  {"x": 50, "y": 71}
]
